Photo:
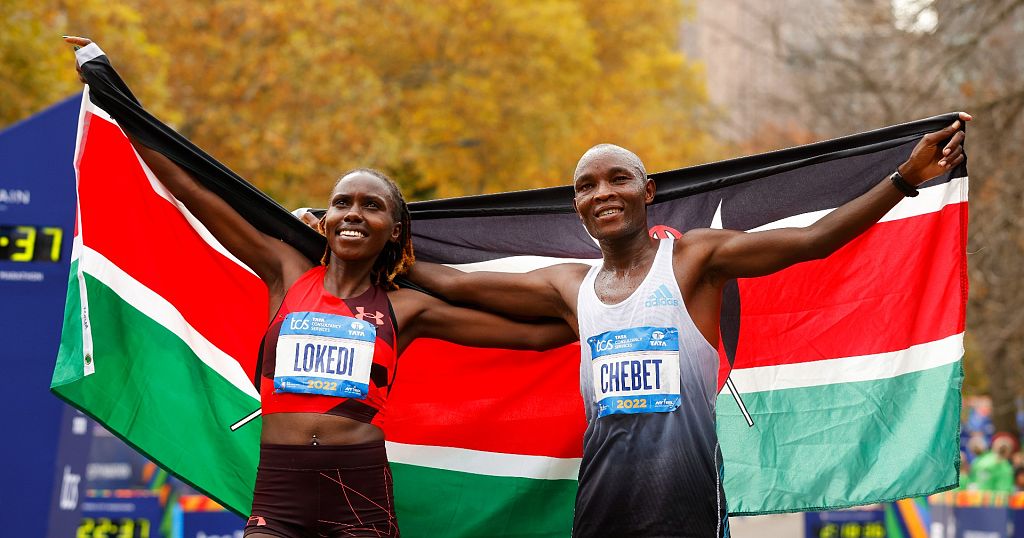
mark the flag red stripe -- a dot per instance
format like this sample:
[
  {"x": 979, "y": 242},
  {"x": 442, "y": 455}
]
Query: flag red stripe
[
  {"x": 885, "y": 291},
  {"x": 517, "y": 402},
  {"x": 190, "y": 273}
]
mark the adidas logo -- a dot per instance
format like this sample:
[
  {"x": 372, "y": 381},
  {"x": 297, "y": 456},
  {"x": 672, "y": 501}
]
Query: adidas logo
[{"x": 661, "y": 297}]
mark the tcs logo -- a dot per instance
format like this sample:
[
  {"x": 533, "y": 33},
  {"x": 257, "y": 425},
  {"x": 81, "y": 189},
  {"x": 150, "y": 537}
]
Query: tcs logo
[{"x": 661, "y": 231}]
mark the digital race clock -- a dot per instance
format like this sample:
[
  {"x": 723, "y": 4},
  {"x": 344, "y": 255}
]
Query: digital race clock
[{"x": 30, "y": 243}]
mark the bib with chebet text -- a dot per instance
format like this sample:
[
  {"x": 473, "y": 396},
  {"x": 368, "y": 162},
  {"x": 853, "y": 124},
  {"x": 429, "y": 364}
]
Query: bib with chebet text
[{"x": 636, "y": 370}]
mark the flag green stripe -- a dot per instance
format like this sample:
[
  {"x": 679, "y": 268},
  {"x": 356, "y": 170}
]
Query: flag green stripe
[
  {"x": 836, "y": 445},
  {"x": 436, "y": 502},
  {"x": 149, "y": 388},
  {"x": 70, "y": 366}
]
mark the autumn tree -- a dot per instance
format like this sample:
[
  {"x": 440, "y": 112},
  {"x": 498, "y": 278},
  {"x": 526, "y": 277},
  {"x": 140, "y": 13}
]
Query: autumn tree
[
  {"x": 852, "y": 65},
  {"x": 37, "y": 69},
  {"x": 450, "y": 98}
]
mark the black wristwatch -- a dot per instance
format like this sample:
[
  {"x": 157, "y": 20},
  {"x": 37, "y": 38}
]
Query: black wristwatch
[{"x": 906, "y": 188}]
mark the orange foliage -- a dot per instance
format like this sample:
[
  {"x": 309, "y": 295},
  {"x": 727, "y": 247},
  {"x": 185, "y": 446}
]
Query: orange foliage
[{"x": 451, "y": 98}]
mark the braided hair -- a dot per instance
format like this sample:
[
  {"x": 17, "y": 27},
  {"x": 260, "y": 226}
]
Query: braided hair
[{"x": 397, "y": 256}]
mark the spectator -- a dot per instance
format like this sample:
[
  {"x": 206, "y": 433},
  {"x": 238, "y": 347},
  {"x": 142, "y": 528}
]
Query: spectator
[{"x": 992, "y": 471}]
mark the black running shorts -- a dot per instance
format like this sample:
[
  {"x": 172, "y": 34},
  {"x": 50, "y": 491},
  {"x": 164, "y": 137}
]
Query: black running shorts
[{"x": 323, "y": 491}]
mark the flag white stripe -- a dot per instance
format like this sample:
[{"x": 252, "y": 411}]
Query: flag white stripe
[
  {"x": 930, "y": 200},
  {"x": 163, "y": 312},
  {"x": 88, "y": 365},
  {"x": 874, "y": 367},
  {"x": 484, "y": 463}
]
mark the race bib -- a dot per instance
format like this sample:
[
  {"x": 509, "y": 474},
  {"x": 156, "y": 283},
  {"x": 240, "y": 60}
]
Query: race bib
[
  {"x": 325, "y": 354},
  {"x": 636, "y": 370}
]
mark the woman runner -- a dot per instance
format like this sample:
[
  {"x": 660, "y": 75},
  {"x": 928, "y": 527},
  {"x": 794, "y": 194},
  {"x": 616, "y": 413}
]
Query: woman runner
[{"x": 323, "y": 468}]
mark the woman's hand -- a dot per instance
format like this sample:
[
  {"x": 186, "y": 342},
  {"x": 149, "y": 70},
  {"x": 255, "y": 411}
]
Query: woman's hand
[{"x": 78, "y": 42}]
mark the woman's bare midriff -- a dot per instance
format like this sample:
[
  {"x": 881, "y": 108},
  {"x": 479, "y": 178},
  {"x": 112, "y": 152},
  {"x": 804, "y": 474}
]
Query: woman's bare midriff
[{"x": 316, "y": 428}]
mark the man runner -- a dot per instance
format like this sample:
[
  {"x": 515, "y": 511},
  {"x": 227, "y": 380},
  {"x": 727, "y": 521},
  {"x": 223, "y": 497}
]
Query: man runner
[{"x": 647, "y": 318}]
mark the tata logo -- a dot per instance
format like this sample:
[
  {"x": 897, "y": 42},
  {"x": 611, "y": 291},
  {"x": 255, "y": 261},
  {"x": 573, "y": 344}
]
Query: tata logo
[
  {"x": 357, "y": 326},
  {"x": 657, "y": 335}
]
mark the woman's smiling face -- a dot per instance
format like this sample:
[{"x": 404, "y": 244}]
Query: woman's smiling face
[{"x": 360, "y": 219}]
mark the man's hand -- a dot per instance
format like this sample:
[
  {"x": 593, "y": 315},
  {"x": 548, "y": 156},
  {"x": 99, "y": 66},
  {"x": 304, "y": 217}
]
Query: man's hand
[{"x": 931, "y": 158}]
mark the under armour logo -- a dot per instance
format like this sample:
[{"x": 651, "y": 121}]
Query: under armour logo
[
  {"x": 377, "y": 317},
  {"x": 256, "y": 521}
]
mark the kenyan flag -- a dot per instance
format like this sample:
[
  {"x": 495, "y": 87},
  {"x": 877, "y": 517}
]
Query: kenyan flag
[{"x": 847, "y": 368}]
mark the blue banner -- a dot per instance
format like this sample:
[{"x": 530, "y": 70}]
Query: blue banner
[
  {"x": 211, "y": 524},
  {"x": 37, "y": 211},
  {"x": 981, "y": 522},
  {"x": 69, "y": 480}
]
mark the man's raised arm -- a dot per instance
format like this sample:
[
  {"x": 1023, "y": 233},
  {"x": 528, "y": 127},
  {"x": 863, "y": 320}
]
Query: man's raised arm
[{"x": 735, "y": 254}]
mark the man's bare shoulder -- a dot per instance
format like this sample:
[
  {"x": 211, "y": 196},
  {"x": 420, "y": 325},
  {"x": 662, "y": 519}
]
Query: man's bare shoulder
[
  {"x": 698, "y": 239},
  {"x": 696, "y": 246}
]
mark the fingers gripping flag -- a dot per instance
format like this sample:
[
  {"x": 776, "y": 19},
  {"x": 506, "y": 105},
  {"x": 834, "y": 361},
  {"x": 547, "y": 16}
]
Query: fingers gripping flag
[{"x": 849, "y": 367}]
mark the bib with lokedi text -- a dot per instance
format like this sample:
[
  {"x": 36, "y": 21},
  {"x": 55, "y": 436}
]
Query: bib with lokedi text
[
  {"x": 324, "y": 354},
  {"x": 636, "y": 370}
]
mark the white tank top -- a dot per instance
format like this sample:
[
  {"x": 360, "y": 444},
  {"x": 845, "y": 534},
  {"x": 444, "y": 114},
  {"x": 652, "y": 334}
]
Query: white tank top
[{"x": 649, "y": 380}]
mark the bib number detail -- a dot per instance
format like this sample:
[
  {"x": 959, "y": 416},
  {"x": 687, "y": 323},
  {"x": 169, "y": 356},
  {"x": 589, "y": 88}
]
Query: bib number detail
[
  {"x": 636, "y": 370},
  {"x": 324, "y": 354}
]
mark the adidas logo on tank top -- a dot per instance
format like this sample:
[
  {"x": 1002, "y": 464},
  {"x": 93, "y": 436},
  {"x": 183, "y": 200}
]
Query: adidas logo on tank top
[{"x": 661, "y": 297}]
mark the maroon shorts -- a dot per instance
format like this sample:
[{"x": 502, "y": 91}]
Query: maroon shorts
[{"x": 323, "y": 491}]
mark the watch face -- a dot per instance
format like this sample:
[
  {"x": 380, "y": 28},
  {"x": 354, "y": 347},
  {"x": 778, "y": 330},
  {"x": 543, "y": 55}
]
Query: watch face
[{"x": 30, "y": 243}]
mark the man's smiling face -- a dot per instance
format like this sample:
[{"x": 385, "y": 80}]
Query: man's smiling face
[{"x": 612, "y": 192}]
